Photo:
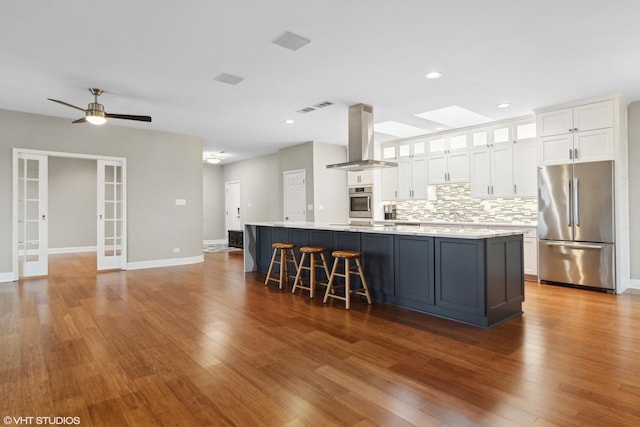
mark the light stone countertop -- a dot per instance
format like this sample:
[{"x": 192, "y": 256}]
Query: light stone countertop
[
  {"x": 461, "y": 223},
  {"x": 434, "y": 230}
]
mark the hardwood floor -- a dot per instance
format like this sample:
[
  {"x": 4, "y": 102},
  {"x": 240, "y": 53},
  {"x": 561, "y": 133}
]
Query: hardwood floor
[{"x": 206, "y": 344}]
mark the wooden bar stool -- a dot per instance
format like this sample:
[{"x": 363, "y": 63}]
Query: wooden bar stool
[
  {"x": 283, "y": 258},
  {"x": 348, "y": 271},
  {"x": 313, "y": 265}
]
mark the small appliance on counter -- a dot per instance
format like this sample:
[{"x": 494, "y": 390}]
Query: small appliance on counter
[{"x": 390, "y": 211}]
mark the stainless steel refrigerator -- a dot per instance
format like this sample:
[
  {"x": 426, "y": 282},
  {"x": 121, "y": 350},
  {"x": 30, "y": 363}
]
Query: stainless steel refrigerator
[{"x": 576, "y": 227}]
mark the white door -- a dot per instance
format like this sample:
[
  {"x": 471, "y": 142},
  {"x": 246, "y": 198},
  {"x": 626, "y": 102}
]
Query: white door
[
  {"x": 232, "y": 205},
  {"x": 111, "y": 219},
  {"x": 295, "y": 196},
  {"x": 31, "y": 177}
]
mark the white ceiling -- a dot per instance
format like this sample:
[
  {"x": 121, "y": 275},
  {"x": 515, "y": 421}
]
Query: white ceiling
[{"x": 160, "y": 58}]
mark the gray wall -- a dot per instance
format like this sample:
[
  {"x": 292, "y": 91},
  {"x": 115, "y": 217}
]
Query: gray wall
[
  {"x": 161, "y": 167},
  {"x": 330, "y": 192},
  {"x": 260, "y": 187},
  {"x": 72, "y": 202},
  {"x": 634, "y": 187},
  {"x": 295, "y": 158},
  {"x": 261, "y": 183},
  {"x": 213, "y": 218}
]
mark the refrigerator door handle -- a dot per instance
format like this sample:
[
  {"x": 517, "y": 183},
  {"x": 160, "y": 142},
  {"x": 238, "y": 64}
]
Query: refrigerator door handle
[
  {"x": 575, "y": 245},
  {"x": 569, "y": 204},
  {"x": 576, "y": 202}
]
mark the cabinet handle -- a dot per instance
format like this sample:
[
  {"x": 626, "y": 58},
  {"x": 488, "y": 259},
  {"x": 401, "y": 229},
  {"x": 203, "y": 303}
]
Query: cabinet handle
[
  {"x": 515, "y": 189},
  {"x": 575, "y": 153},
  {"x": 488, "y": 189},
  {"x": 570, "y": 154},
  {"x": 492, "y": 189},
  {"x": 445, "y": 176}
]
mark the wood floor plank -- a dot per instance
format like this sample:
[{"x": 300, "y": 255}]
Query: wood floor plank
[{"x": 209, "y": 345}]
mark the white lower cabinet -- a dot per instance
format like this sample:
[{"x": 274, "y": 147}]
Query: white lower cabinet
[{"x": 530, "y": 254}]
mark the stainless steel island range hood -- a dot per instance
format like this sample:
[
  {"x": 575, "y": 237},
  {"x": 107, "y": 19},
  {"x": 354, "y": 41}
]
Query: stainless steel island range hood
[{"x": 360, "y": 145}]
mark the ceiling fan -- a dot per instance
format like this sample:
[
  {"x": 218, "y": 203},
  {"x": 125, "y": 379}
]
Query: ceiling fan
[{"x": 95, "y": 113}]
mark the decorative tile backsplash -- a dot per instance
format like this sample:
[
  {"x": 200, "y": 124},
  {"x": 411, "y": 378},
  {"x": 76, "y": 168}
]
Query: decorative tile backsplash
[{"x": 453, "y": 202}]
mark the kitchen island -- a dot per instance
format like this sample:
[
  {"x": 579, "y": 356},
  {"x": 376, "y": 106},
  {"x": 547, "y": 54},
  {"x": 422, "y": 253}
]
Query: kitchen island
[{"x": 473, "y": 276}]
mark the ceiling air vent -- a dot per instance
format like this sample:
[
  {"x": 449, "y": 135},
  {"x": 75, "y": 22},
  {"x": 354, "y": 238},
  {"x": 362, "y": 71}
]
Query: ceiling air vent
[
  {"x": 323, "y": 104},
  {"x": 291, "y": 41},
  {"x": 229, "y": 79},
  {"x": 306, "y": 110}
]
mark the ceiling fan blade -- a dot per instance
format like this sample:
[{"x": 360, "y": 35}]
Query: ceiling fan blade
[
  {"x": 128, "y": 117},
  {"x": 67, "y": 104},
  {"x": 82, "y": 120}
]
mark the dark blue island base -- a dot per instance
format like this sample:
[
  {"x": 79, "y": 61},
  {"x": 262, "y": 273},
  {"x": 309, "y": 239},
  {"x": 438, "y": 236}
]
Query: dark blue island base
[{"x": 478, "y": 281}]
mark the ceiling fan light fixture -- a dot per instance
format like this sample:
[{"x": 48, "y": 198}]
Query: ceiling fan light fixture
[{"x": 96, "y": 119}]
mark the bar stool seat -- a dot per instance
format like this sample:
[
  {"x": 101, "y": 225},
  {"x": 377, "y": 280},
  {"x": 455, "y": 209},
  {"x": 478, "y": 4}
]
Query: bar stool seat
[
  {"x": 312, "y": 251},
  {"x": 283, "y": 255},
  {"x": 348, "y": 271}
]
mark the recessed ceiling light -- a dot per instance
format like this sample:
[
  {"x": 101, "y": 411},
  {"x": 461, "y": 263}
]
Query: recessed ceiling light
[
  {"x": 454, "y": 116},
  {"x": 439, "y": 128},
  {"x": 503, "y": 105},
  {"x": 433, "y": 75},
  {"x": 398, "y": 129},
  {"x": 289, "y": 121}
]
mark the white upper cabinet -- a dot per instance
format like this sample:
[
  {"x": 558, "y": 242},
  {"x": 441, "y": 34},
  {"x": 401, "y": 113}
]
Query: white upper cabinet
[
  {"x": 583, "y": 133},
  {"x": 525, "y": 171},
  {"x": 389, "y": 175},
  {"x": 415, "y": 148},
  {"x": 501, "y": 134},
  {"x": 448, "y": 158},
  {"x": 412, "y": 178},
  {"x": 355, "y": 178}
]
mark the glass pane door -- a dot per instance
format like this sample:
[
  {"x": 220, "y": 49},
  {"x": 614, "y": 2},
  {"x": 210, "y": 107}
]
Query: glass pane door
[
  {"x": 111, "y": 227},
  {"x": 32, "y": 176}
]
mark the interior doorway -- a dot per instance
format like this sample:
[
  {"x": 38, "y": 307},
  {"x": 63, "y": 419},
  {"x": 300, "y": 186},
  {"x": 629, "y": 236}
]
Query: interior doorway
[
  {"x": 295, "y": 196},
  {"x": 30, "y": 211},
  {"x": 232, "y": 205}
]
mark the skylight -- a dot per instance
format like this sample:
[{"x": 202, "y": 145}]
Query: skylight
[
  {"x": 397, "y": 129},
  {"x": 454, "y": 116}
]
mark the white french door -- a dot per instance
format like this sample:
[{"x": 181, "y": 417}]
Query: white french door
[
  {"x": 31, "y": 178},
  {"x": 111, "y": 219}
]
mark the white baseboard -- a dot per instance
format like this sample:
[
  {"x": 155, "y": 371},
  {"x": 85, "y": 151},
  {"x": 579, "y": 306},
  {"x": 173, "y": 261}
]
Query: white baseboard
[
  {"x": 634, "y": 284},
  {"x": 73, "y": 250},
  {"x": 214, "y": 242},
  {"x": 164, "y": 262},
  {"x": 6, "y": 277}
]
